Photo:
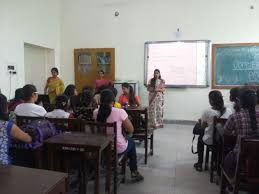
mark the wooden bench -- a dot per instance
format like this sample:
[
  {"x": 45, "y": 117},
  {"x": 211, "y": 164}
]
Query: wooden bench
[
  {"x": 218, "y": 127},
  {"x": 33, "y": 158},
  {"x": 139, "y": 119},
  {"x": 63, "y": 124},
  {"x": 246, "y": 175}
]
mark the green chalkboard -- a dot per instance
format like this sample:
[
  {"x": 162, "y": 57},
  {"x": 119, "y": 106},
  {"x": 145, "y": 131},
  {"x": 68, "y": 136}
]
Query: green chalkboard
[{"x": 235, "y": 64}]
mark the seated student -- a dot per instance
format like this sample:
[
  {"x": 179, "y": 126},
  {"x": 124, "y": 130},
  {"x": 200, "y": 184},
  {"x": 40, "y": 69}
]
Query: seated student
[
  {"x": 115, "y": 92},
  {"x": 234, "y": 99},
  {"x": 241, "y": 124},
  {"x": 18, "y": 99},
  {"x": 86, "y": 105},
  {"x": 98, "y": 92},
  {"x": 29, "y": 108},
  {"x": 217, "y": 109},
  {"x": 73, "y": 98},
  {"x": 128, "y": 97},
  {"x": 60, "y": 108},
  {"x": 87, "y": 97},
  {"x": 107, "y": 113},
  {"x": 8, "y": 130}
]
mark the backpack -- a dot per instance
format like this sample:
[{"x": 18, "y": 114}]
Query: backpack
[{"x": 39, "y": 130}]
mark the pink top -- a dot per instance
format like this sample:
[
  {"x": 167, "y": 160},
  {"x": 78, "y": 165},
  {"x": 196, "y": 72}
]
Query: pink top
[
  {"x": 101, "y": 82},
  {"x": 117, "y": 115}
]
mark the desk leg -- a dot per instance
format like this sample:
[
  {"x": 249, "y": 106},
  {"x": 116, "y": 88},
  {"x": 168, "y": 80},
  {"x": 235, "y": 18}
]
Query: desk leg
[
  {"x": 50, "y": 157},
  {"x": 115, "y": 163},
  {"x": 84, "y": 180},
  {"x": 38, "y": 157},
  {"x": 146, "y": 148},
  {"x": 97, "y": 172},
  {"x": 108, "y": 172}
]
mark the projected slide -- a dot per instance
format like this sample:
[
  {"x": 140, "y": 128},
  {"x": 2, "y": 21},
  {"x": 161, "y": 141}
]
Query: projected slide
[{"x": 180, "y": 63}]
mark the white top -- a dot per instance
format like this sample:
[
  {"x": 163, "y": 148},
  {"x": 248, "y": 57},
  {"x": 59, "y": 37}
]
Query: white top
[
  {"x": 30, "y": 110},
  {"x": 231, "y": 106},
  {"x": 208, "y": 117},
  {"x": 58, "y": 113}
]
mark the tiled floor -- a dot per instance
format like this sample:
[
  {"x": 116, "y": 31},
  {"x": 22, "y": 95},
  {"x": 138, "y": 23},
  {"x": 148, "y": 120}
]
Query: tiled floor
[{"x": 170, "y": 170}]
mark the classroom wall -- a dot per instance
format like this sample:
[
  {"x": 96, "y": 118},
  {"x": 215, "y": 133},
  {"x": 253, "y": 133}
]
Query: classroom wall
[
  {"x": 38, "y": 62},
  {"x": 92, "y": 24},
  {"x": 28, "y": 21}
]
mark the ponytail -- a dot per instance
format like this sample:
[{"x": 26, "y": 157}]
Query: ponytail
[
  {"x": 107, "y": 97},
  {"x": 132, "y": 100},
  {"x": 252, "y": 115},
  {"x": 103, "y": 113}
]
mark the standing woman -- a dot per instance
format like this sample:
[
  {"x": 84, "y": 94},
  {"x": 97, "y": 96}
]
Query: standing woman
[
  {"x": 54, "y": 86},
  {"x": 156, "y": 88},
  {"x": 101, "y": 81}
]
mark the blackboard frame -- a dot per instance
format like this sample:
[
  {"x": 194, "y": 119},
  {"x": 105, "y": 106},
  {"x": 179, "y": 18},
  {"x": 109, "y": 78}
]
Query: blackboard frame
[
  {"x": 208, "y": 43},
  {"x": 214, "y": 67}
]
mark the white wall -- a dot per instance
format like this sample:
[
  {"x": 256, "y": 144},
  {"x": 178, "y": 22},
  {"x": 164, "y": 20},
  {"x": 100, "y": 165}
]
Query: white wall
[
  {"x": 91, "y": 24},
  {"x": 28, "y": 21},
  {"x": 38, "y": 62}
]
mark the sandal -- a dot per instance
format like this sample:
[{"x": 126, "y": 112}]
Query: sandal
[{"x": 198, "y": 166}]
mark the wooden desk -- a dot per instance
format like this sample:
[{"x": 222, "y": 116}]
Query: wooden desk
[
  {"x": 21, "y": 180},
  {"x": 81, "y": 142},
  {"x": 140, "y": 108}
]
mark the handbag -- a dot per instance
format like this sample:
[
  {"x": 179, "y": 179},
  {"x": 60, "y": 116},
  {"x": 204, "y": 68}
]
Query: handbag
[{"x": 197, "y": 130}]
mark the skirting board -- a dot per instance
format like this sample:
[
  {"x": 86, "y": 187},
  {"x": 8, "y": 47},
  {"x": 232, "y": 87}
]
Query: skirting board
[{"x": 181, "y": 122}]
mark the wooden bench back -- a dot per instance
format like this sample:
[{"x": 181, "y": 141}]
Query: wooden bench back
[
  {"x": 21, "y": 120},
  {"x": 139, "y": 119},
  {"x": 248, "y": 163},
  {"x": 63, "y": 124}
]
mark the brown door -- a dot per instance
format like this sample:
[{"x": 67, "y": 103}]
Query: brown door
[{"x": 89, "y": 61}]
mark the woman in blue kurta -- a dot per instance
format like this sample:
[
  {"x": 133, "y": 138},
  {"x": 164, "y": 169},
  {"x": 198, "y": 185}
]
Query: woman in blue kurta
[{"x": 8, "y": 130}]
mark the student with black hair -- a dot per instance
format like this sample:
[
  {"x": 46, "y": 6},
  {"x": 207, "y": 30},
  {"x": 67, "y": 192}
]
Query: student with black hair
[
  {"x": 73, "y": 98},
  {"x": 61, "y": 108},
  {"x": 54, "y": 86},
  {"x": 107, "y": 113},
  {"x": 8, "y": 130},
  {"x": 70, "y": 91},
  {"x": 217, "y": 109},
  {"x": 234, "y": 99},
  {"x": 115, "y": 92},
  {"x": 241, "y": 124},
  {"x": 98, "y": 93},
  {"x": 128, "y": 97},
  {"x": 86, "y": 105},
  {"x": 18, "y": 99},
  {"x": 29, "y": 108},
  {"x": 87, "y": 98}
]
